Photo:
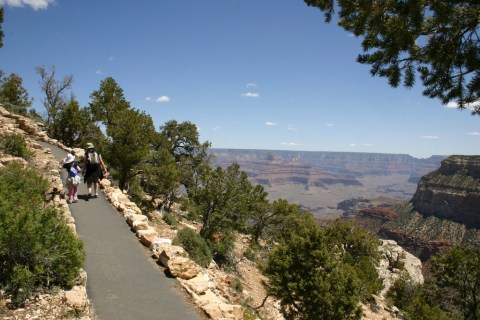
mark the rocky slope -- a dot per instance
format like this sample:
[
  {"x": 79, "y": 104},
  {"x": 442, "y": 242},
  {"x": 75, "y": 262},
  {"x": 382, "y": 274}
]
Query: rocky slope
[{"x": 63, "y": 304}]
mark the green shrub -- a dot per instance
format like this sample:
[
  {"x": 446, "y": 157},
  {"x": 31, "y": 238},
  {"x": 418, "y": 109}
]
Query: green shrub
[
  {"x": 237, "y": 285},
  {"x": 195, "y": 245},
  {"x": 15, "y": 145},
  {"x": 137, "y": 194},
  {"x": 221, "y": 246},
  {"x": 170, "y": 219},
  {"x": 37, "y": 248}
]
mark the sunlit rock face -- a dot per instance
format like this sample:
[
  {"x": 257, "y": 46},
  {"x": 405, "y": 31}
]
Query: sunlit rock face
[{"x": 452, "y": 192}]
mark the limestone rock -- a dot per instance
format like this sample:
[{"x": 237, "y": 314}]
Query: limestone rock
[
  {"x": 394, "y": 260},
  {"x": 136, "y": 218},
  {"x": 198, "y": 284},
  {"x": 182, "y": 267},
  {"x": 77, "y": 298},
  {"x": 166, "y": 252},
  {"x": 147, "y": 237}
]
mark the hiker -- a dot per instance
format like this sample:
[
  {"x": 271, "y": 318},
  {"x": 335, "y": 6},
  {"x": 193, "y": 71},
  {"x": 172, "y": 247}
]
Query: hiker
[
  {"x": 93, "y": 170},
  {"x": 73, "y": 179}
]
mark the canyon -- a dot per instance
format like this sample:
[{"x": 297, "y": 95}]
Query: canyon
[{"x": 321, "y": 182}]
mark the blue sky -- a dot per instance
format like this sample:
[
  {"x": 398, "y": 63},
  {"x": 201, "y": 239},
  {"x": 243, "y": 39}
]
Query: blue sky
[{"x": 250, "y": 74}]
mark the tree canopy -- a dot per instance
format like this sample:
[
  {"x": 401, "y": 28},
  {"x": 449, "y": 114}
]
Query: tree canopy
[
  {"x": 12, "y": 91},
  {"x": 107, "y": 100},
  {"x": 320, "y": 273},
  {"x": 437, "y": 41},
  {"x": 54, "y": 91}
]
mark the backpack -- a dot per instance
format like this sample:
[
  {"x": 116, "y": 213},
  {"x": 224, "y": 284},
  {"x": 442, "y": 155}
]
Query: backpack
[
  {"x": 92, "y": 157},
  {"x": 72, "y": 172}
]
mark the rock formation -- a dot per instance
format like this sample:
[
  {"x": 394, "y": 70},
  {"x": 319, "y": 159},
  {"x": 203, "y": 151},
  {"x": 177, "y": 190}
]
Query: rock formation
[
  {"x": 444, "y": 211},
  {"x": 452, "y": 192}
]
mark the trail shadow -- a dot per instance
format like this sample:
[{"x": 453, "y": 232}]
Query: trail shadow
[{"x": 83, "y": 197}]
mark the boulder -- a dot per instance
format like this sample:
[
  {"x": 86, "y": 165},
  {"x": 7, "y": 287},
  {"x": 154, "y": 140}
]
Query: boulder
[
  {"x": 77, "y": 298},
  {"x": 147, "y": 237},
  {"x": 182, "y": 267},
  {"x": 395, "y": 260},
  {"x": 166, "y": 251}
]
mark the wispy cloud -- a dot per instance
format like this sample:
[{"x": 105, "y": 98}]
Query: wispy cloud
[
  {"x": 474, "y": 133},
  {"x": 290, "y": 144},
  {"x": 111, "y": 58},
  {"x": 99, "y": 71},
  {"x": 330, "y": 125},
  {"x": 251, "y": 85},
  {"x": 163, "y": 99},
  {"x": 291, "y": 127},
  {"x": 35, "y": 4},
  {"x": 216, "y": 128},
  {"x": 270, "y": 123},
  {"x": 251, "y": 94},
  {"x": 148, "y": 99},
  {"x": 429, "y": 137}
]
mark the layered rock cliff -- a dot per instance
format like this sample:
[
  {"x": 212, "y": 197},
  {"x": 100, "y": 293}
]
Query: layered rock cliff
[
  {"x": 451, "y": 192},
  {"x": 444, "y": 211}
]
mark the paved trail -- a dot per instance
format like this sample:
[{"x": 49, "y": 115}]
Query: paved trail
[{"x": 124, "y": 283}]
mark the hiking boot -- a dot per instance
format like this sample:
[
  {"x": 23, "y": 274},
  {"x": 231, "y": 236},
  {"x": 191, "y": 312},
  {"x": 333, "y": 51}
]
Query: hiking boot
[
  {"x": 96, "y": 195},
  {"x": 69, "y": 201}
]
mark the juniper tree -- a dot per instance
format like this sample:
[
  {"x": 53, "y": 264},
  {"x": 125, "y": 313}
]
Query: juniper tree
[
  {"x": 12, "y": 92},
  {"x": 182, "y": 141}
]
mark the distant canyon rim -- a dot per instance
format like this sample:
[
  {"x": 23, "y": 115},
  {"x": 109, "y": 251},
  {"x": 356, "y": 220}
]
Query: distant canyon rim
[{"x": 319, "y": 180}]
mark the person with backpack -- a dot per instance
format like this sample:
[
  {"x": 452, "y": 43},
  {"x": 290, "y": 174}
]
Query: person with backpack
[
  {"x": 73, "y": 179},
  {"x": 93, "y": 170}
]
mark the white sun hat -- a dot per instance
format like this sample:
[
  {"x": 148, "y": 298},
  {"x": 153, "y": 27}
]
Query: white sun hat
[{"x": 70, "y": 158}]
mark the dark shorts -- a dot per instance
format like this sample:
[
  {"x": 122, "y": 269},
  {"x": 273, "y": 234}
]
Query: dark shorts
[{"x": 92, "y": 174}]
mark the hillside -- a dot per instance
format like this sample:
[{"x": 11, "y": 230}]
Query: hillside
[{"x": 213, "y": 289}]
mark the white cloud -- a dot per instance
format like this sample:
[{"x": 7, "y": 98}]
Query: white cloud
[
  {"x": 291, "y": 144},
  {"x": 111, "y": 58},
  {"x": 454, "y": 105},
  {"x": 474, "y": 133},
  {"x": 35, "y": 4},
  {"x": 216, "y": 128},
  {"x": 251, "y": 94},
  {"x": 162, "y": 99},
  {"x": 148, "y": 99},
  {"x": 270, "y": 123},
  {"x": 353, "y": 145},
  {"x": 330, "y": 125},
  {"x": 99, "y": 71},
  {"x": 367, "y": 145},
  {"x": 252, "y": 85},
  {"x": 429, "y": 137}
]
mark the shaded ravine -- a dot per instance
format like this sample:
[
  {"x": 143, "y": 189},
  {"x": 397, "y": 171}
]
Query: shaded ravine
[{"x": 124, "y": 283}]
